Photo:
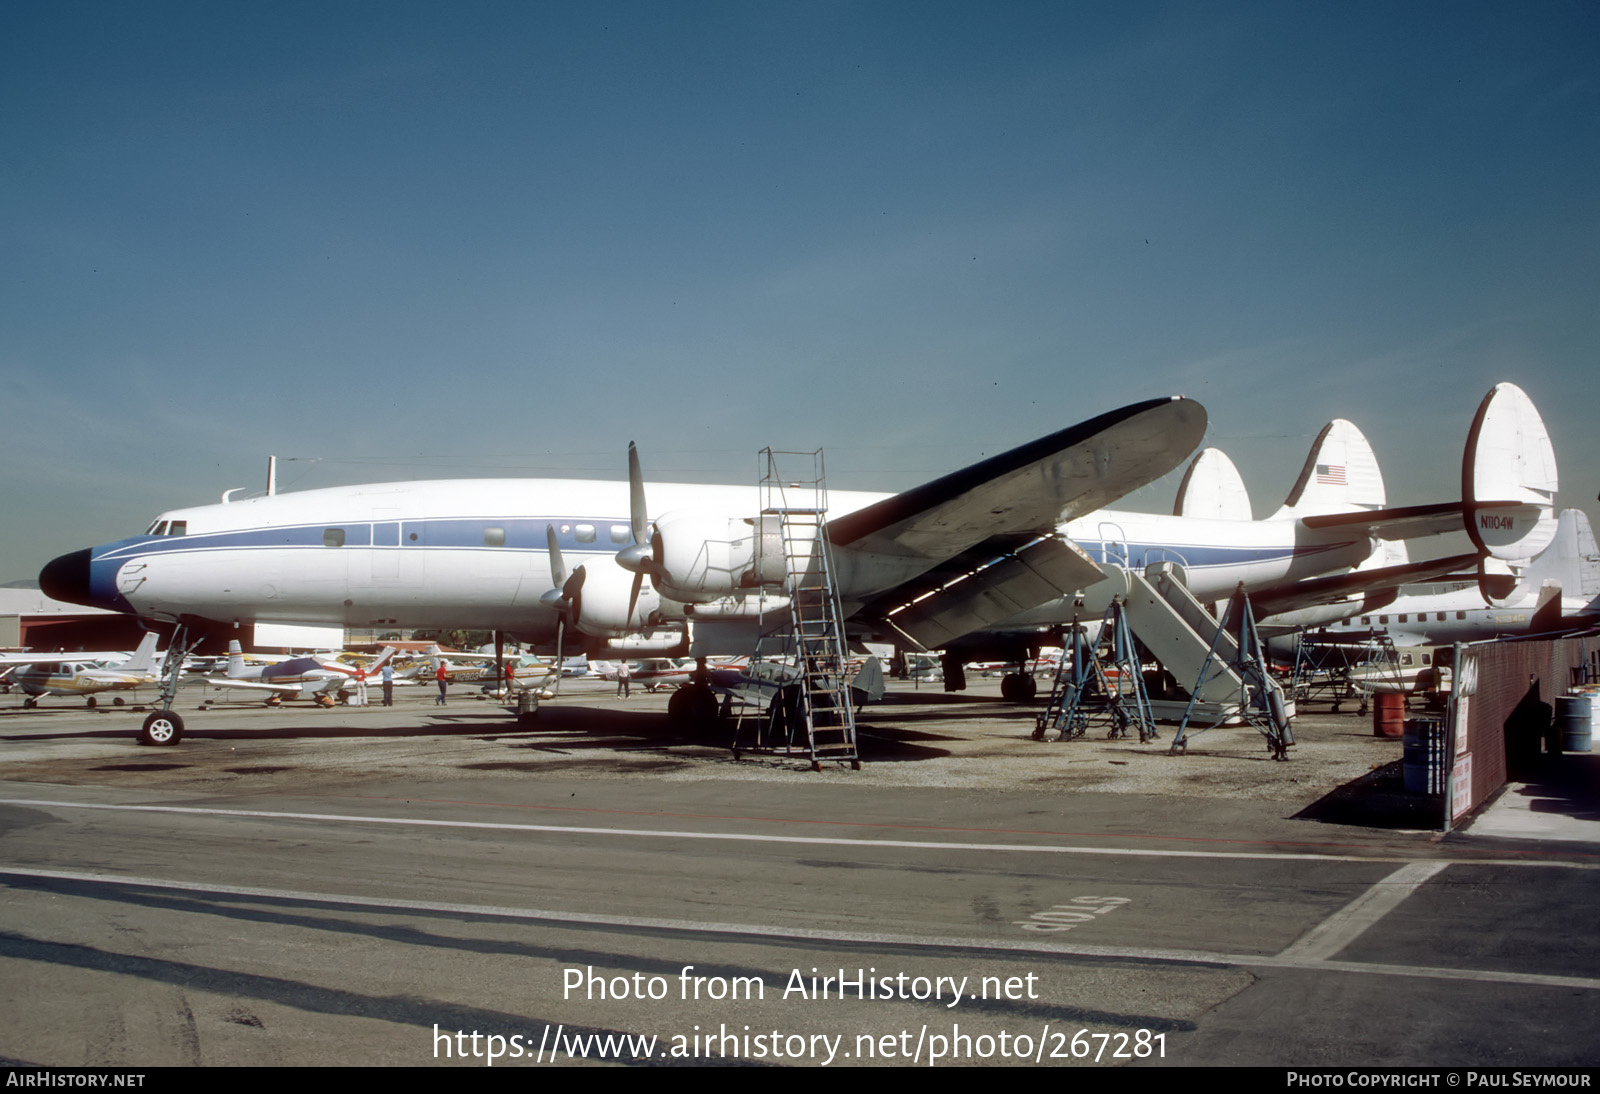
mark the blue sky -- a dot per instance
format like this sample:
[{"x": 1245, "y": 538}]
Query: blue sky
[{"x": 390, "y": 240}]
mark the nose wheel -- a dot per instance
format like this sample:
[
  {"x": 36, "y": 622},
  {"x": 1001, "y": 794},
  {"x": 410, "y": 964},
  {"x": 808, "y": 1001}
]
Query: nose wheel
[{"x": 161, "y": 727}]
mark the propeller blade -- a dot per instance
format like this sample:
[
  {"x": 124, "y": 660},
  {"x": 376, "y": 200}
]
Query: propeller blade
[
  {"x": 636, "y": 557},
  {"x": 558, "y": 566},
  {"x": 561, "y": 634},
  {"x": 633, "y": 594},
  {"x": 572, "y": 594},
  {"x": 636, "y": 507}
]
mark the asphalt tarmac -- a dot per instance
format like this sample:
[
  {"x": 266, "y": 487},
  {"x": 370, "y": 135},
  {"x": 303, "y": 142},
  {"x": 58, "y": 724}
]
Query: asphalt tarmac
[{"x": 425, "y": 885}]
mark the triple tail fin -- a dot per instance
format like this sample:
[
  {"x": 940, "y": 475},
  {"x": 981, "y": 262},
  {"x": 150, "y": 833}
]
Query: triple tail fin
[{"x": 1340, "y": 475}]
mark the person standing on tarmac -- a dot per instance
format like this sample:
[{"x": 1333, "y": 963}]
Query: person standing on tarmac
[
  {"x": 624, "y": 678},
  {"x": 443, "y": 676}
]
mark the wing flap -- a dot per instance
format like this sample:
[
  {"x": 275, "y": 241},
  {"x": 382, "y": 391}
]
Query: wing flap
[{"x": 1044, "y": 570}]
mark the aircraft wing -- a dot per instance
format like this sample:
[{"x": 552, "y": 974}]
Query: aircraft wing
[
  {"x": 245, "y": 685},
  {"x": 990, "y": 529},
  {"x": 1031, "y": 489}
]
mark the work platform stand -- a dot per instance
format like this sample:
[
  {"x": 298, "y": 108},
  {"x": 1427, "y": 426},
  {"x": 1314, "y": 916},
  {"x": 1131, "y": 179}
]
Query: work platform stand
[
  {"x": 812, "y": 710},
  {"x": 1102, "y": 681},
  {"x": 1323, "y": 670},
  {"x": 1261, "y": 700}
]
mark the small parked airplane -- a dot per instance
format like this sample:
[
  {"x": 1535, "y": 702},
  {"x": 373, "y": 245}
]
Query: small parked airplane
[
  {"x": 87, "y": 675},
  {"x": 959, "y": 554},
  {"x": 296, "y": 678}
]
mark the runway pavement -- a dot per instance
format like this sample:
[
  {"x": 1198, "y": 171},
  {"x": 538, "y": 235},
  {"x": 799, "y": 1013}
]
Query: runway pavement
[{"x": 362, "y": 885}]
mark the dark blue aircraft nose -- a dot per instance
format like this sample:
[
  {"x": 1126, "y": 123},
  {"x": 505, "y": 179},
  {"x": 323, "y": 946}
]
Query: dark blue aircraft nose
[{"x": 67, "y": 578}]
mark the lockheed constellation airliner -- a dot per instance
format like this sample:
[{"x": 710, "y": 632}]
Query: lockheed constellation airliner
[{"x": 961, "y": 553}]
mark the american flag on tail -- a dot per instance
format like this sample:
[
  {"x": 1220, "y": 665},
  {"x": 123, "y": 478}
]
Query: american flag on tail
[{"x": 1331, "y": 473}]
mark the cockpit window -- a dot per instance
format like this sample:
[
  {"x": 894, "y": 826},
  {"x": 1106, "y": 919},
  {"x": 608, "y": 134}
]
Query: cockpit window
[
  {"x": 168, "y": 528},
  {"x": 179, "y": 528}
]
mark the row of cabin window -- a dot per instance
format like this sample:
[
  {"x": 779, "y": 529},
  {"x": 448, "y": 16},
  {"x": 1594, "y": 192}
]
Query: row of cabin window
[
  {"x": 1422, "y": 617},
  {"x": 621, "y": 535}
]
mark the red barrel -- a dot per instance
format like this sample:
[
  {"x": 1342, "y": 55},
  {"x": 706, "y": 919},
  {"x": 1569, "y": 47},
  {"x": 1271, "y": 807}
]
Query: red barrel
[{"x": 1388, "y": 714}]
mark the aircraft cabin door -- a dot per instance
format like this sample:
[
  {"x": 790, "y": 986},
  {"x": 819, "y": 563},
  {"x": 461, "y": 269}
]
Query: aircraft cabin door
[{"x": 385, "y": 553}]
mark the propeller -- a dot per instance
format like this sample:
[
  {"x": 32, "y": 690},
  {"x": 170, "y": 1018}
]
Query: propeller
[
  {"x": 637, "y": 557},
  {"x": 565, "y": 595}
]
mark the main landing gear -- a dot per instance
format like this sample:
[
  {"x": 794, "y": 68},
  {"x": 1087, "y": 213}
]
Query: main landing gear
[{"x": 162, "y": 727}]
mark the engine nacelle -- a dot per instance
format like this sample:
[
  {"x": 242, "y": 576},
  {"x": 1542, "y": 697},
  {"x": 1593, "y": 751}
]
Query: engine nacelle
[
  {"x": 750, "y": 606},
  {"x": 702, "y": 557},
  {"x": 606, "y": 606},
  {"x": 663, "y": 642}
]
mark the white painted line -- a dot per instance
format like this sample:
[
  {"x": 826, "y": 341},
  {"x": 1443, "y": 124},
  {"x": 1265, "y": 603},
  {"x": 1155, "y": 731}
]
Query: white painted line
[
  {"x": 745, "y": 837},
  {"x": 786, "y": 934},
  {"x": 1350, "y": 922}
]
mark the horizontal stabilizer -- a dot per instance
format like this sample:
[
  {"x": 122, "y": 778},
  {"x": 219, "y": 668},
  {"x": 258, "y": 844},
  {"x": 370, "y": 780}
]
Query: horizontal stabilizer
[
  {"x": 1402, "y": 522},
  {"x": 1325, "y": 590},
  {"x": 1212, "y": 489},
  {"x": 1509, "y": 459},
  {"x": 1340, "y": 474}
]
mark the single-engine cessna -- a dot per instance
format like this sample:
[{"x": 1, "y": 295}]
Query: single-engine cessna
[{"x": 77, "y": 674}]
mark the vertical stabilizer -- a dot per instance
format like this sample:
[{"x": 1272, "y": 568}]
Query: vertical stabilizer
[
  {"x": 144, "y": 658},
  {"x": 1572, "y": 560},
  {"x": 1508, "y": 477},
  {"x": 1340, "y": 475},
  {"x": 235, "y": 659},
  {"x": 1212, "y": 489}
]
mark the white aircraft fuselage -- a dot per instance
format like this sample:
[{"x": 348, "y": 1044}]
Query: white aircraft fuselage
[{"x": 473, "y": 553}]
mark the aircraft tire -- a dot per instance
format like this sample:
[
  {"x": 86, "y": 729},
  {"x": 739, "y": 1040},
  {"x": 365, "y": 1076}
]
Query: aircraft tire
[
  {"x": 91, "y": 702},
  {"x": 693, "y": 709},
  {"x": 1018, "y": 687},
  {"x": 161, "y": 728}
]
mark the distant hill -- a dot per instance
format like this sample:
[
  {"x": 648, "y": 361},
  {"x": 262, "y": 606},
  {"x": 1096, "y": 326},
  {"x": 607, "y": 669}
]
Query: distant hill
[{"x": 25, "y": 583}]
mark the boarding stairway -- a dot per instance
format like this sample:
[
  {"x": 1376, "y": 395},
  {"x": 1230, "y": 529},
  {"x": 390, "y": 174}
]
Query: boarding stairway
[
  {"x": 1178, "y": 630},
  {"x": 804, "y": 643},
  {"x": 1238, "y": 657}
]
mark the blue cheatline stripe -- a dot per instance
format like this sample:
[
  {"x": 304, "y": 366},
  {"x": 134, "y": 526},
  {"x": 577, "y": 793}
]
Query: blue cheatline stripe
[{"x": 527, "y": 533}]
